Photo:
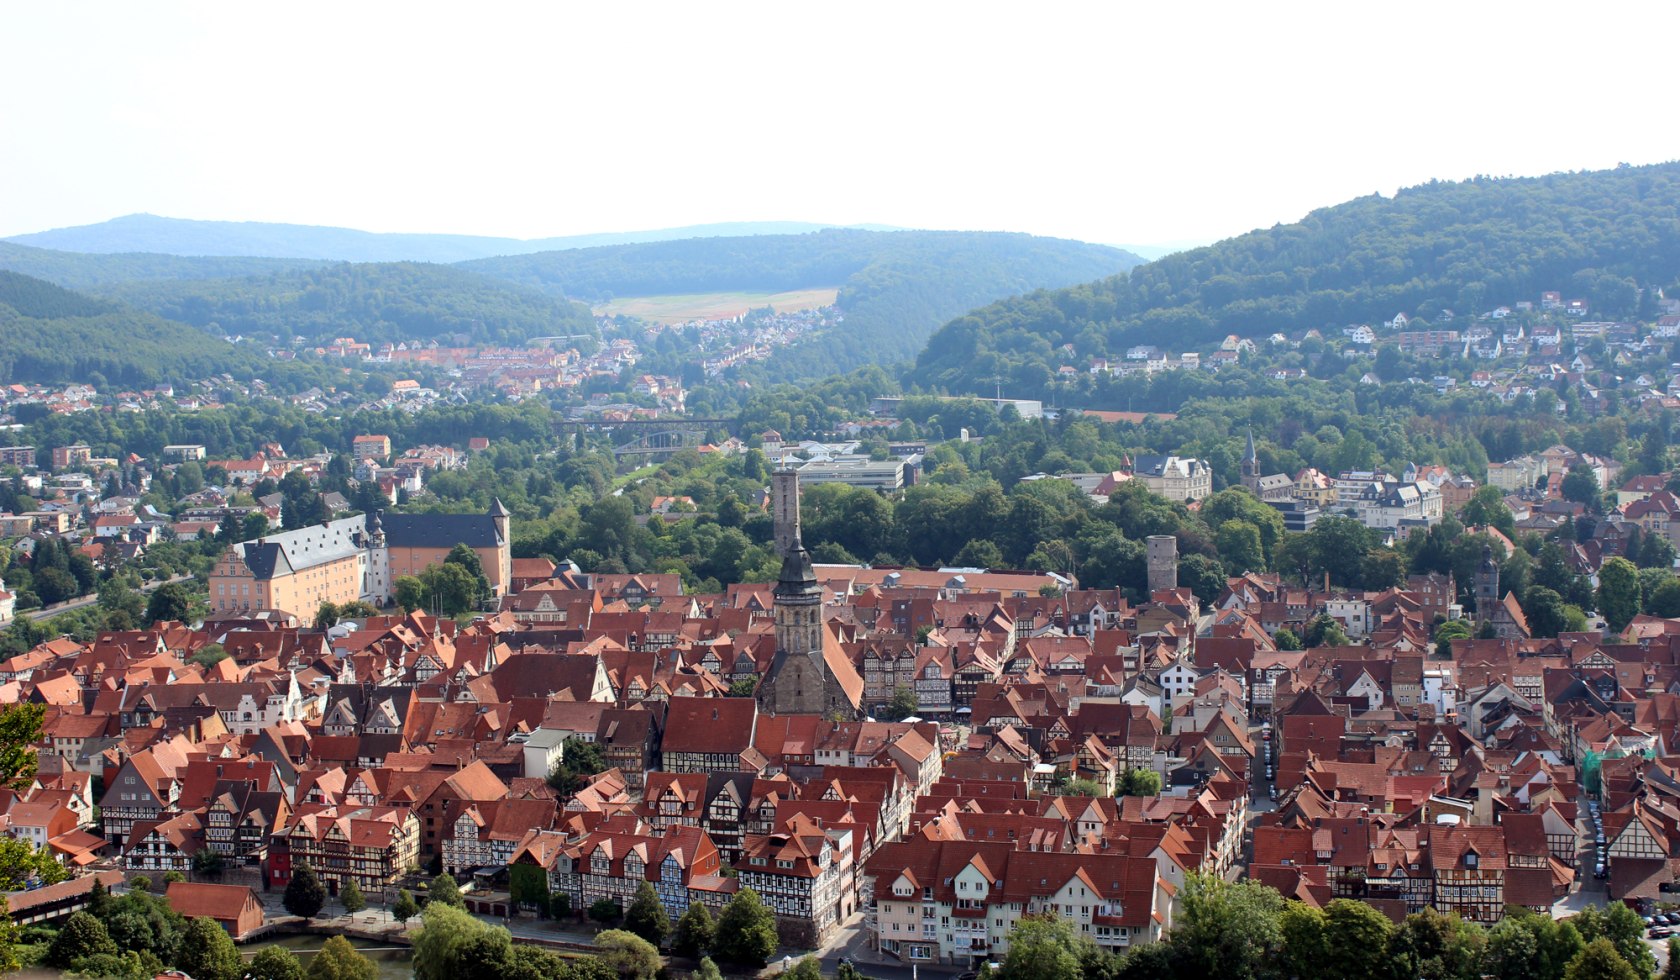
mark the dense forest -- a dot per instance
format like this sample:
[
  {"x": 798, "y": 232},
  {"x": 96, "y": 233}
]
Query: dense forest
[
  {"x": 375, "y": 303},
  {"x": 895, "y": 287},
  {"x": 52, "y": 334},
  {"x": 1462, "y": 247},
  {"x": 83, "y": 270}
]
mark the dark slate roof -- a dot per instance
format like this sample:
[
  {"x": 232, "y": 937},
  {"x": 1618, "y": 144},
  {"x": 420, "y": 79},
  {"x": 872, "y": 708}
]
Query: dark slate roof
[
  {"x": 440, "y": 530},
  {"x": 266, "y": 559}
]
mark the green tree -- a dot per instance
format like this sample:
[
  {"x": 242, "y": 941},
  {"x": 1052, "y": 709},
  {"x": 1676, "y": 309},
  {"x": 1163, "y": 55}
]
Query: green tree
[
  {"x": 326, "y": 615},
  {"x": 694, "y": 931},
  {"x": 605, "y": 911},
  {"x": 409, "y": 592},
  {"x": 274, "y": 963},
  {"x": 209, "y": 655},
  {"x": 444, "y": 891},
  {"x": 487, "y": 954},
  {"x": 1618, "y": 593},
  {"x": 1544, "y": 610},
  {"x": 707, "y": 971},
  {"x": 207, "y": 863},
  {"x": 22, "y": 865},
  {"x": 1436, "y": 946},
  {"x": 405, "y": 907},
  {"x": 1227, "y": 929},
  {"x": 1324, "y": 631},
  {"x": 1240, "y": 548},
  {"x": 1140, "y": 782},
  {"x": 129, "y": 964},
  {"x": 1486, "y": 508},
  {"x": 305, "y": 895},
  {"x": 445, "y": 933},
  {"x": 579, "y": 760},
  {"x": 1665, "y": 599},
  {"x": 338, "y": 960},
  {"x": 807, "y": 968},
  {"x": 450, "y": 588},
  {"x": 1581, "y": 486},
  {"x": 1623, "y": 928},
  {"x": 1356, "y": 938},
  {"x": 1305, "y": 951},
  {"x": 8, "y": 938},
  {"x": 746, "y": 931},
  {"x": 1285, "y": 639},
  {"x": 20, "y": 729},
  {"x": 1672, "y": 970},
  {"x": 903, "y": 704},
  {"x": 81, "y": 935},
  {"x": 169, "y": 602},
  {"x": 208, "y": 953},
  {"x": 629, "y": 955},
  {"x": 1600, "y": 961},
  {"x": 351, "y": 897},
  {"x": 646, "y": 916},
  {"x": 1042, "y": 948}
]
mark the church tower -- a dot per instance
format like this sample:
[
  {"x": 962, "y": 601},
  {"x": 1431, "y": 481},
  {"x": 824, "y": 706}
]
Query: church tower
[
  {"x": 797, "y": 604},
  {"x": 803, "y": 678},
  {"x": 1251, "y": 466},
  {"x": 784, "y": 509},
  {"x": 1487, "y": 584}
]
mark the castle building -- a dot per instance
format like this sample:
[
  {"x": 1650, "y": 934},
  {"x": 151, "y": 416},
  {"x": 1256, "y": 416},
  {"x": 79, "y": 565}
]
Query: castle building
[{"x": 353, "y": 558}]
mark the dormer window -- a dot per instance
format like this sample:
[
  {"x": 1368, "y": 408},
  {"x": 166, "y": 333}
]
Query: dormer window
[{"x": 1470, "y": 859}]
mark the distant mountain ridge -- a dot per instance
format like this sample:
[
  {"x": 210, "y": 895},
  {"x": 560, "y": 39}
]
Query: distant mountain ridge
[{"x": 257, "y": 239}]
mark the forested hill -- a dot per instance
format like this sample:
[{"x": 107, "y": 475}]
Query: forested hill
[
  {"x": 895, "y": 287},
  {"x": 1465, "y": 246},
  {"x": 87, "y": 270},
  {"x": 183, "y": 237},
  {"x": 50, "y": 334},
  {"x": 373, "y": 302}
]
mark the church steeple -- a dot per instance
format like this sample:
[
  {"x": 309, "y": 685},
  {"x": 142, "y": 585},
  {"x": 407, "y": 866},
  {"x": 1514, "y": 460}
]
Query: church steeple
[
  {"x": 1251, "y": 465},
  {"x": 797, "y": 604}
]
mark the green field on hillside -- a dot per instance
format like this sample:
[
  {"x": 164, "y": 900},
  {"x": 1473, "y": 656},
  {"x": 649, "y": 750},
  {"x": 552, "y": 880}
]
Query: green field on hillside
[{"x": 716, "y": 306}]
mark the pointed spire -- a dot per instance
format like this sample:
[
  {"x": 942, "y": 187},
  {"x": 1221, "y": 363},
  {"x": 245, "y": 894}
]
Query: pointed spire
[
  {"x": 1252, "y": 456},
  {"x": 497, "y": 510}
]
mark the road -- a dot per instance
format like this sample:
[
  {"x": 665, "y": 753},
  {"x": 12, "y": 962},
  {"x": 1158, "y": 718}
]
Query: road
[{"x": 71, "y": 605}]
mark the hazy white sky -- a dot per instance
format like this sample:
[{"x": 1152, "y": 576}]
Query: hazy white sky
[{"x": 1112, "y": 122}]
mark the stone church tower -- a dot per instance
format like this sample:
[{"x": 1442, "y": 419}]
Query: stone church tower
[
  {"x": 807, "y": 676},
  {"x": 1487, "y": 584},
  {"x": 784, "y": 509}
]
